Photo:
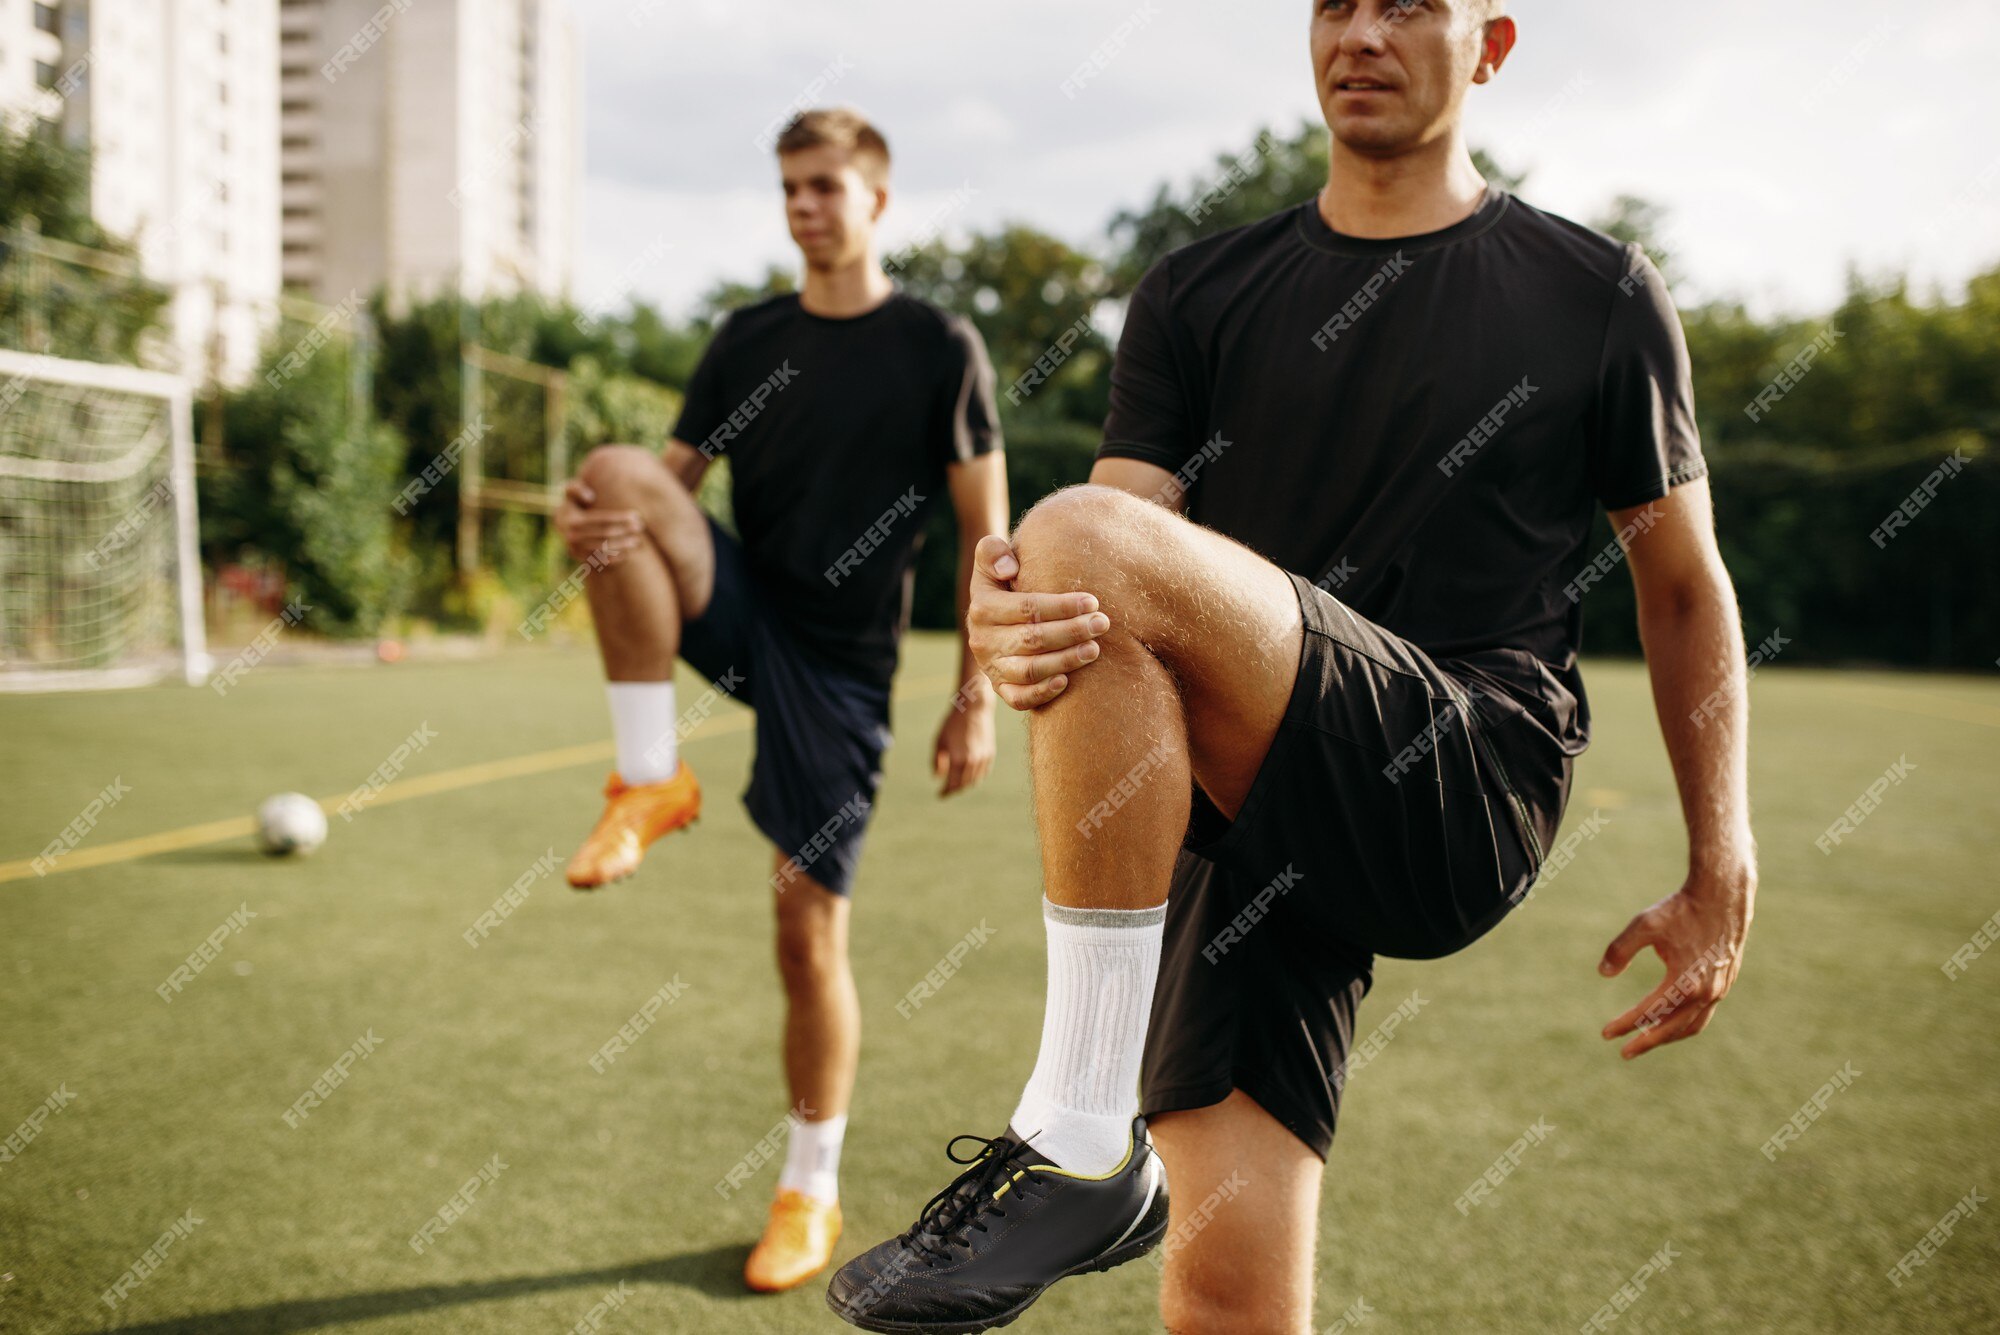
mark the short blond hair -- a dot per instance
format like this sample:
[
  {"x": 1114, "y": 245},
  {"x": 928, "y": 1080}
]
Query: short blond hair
[{"x": 843, "y": 128}]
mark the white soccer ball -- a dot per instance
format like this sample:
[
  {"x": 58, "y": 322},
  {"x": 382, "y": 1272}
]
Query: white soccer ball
[{"x": 290, "y": 823}]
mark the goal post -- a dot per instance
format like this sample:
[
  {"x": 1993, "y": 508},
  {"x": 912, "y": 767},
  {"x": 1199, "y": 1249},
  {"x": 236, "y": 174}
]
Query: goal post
[{"x": 100, "y": 570}]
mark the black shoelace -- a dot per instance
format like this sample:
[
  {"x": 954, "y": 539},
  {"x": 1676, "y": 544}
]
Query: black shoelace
[{"x": 963, "y": 1207}]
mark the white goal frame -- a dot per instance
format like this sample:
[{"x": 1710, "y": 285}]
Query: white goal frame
[{"x": 178, "y": 394}]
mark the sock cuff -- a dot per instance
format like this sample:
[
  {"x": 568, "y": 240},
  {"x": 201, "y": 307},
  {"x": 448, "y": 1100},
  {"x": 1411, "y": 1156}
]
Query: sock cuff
[{"x": 1070, "y": 917}]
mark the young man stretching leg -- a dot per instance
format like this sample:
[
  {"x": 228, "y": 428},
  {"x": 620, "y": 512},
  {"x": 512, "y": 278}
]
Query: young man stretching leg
[
  {"x": 1336, "y": 714},
  {"x": 844, "y": 410}
]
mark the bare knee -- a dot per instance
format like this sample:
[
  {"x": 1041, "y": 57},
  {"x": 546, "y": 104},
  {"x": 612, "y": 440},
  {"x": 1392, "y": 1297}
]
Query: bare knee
[
  {"x": 624, "y": 473},
  {"x": 811, "y": 944},
  {"x": 1085, "y": 537}
]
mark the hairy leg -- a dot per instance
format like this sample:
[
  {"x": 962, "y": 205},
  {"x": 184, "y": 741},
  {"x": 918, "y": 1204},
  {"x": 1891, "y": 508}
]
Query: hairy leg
[
  {"x": 1248, "y": 1269},
  {"x": 638, "y": 603},
  {"x": 1191, "y": 681},
  {"x": 822, "y": 1010}
]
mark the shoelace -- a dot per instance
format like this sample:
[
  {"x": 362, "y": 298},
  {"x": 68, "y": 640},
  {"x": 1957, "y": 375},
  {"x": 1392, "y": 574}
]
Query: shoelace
[{"x": 954, "y": 1214}]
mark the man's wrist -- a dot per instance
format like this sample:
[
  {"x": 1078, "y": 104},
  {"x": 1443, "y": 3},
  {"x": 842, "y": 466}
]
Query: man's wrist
[
  {"x": 1726, "y": 867},
  {"x": 976, "y": 696}
]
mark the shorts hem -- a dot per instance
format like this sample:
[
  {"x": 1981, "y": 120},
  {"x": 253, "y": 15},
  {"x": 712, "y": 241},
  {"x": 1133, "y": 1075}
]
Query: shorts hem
[{"x": 1311, "y": 1132}]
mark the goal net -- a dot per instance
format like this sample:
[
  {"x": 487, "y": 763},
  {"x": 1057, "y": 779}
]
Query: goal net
[{"x": 100, "y": 581}]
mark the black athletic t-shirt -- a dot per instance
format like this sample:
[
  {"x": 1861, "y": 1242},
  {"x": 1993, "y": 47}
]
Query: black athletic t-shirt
[
  {"x": 838, "y": 432},
  {"x": 1423, "y": 425}
]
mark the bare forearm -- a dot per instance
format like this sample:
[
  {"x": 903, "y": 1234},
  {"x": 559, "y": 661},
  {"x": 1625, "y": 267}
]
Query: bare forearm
[{"x": 1694, "y": 652}]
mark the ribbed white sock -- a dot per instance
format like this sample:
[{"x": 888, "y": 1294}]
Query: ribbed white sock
[
  {"x": 645, "y": 728},
  {"x": 1079, "y": 1104},
  {"x": 812, "y": 1158}
]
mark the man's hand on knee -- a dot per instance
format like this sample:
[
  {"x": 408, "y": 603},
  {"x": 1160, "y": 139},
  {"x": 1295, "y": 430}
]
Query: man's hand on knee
[
  {"x": 585, "y": 528},
  {"x": 1027, "y": 643}
]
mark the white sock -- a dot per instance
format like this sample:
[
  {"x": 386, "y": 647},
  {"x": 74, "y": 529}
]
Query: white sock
[
  {"x": 812, "y": 1158},
  {"x": 645, "y": 728},
  {"x": 1079, "y": 1104}
]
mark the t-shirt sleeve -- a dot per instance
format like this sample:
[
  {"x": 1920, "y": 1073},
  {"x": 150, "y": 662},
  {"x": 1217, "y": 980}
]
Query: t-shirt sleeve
[
  {"x": 968, "y": 417},
  {"x": 706, "y": 405},
  {"x": 1643, "y": 441},
  {"x": 1149, "y": 418}
]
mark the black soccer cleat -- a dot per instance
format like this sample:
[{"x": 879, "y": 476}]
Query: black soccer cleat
[{"x": 1006, "y": 1229}]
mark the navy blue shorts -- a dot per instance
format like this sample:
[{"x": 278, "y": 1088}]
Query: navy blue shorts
[{"x": 821, "y": 731}]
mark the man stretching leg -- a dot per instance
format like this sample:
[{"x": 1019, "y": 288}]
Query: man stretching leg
[
  {"x": 844, "y": 410},
  {"x": 1336, "y": 714}
]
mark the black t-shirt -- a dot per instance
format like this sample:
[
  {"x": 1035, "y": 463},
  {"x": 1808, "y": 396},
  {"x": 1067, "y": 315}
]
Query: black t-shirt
[
  {"x": 1423, "y": 425},
  {"x": 838, "y": 432}
]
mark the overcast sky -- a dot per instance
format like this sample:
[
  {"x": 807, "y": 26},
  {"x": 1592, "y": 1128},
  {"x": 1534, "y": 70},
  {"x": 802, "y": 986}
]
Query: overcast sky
[{"x": 1789, "y": 139}]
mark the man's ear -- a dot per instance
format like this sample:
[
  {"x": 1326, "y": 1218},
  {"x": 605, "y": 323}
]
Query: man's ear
[
  {"x": 1494, "y": 46},
  {"x": 881, "y": 202}
]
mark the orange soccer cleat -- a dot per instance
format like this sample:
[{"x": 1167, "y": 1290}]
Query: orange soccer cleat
[
  {"x": 797, "y": 1243},
  {"x": 634, "y": 816}
]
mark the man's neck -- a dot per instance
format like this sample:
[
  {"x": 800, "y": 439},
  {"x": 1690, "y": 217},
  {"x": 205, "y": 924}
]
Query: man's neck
[
  {"x": 1425, "y": 190},
  {"x": 847, "y": 290}
]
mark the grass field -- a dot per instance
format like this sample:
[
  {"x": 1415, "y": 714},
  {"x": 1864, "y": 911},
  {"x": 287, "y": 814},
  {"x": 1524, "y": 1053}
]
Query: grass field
[{"x": 176, "y": 1108}]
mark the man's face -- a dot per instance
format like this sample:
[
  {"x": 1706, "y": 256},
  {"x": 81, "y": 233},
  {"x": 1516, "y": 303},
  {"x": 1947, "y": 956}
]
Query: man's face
[
  {"x": 1392, "y": 74},
  {"x": 829, "y": 206}
]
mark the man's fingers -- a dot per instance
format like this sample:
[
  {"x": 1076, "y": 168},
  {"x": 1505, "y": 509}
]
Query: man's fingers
[
  {"x": 579, "y": 491},
  {"x": 1681, "y": 1024},
  {"x": 994, "y": 559},
  {"x": 1027, "y": 669},
  {"x": 1637, "y": 935},
  {"x": 1031, "y": 697},
  {"x": 1018, "y": 609}
]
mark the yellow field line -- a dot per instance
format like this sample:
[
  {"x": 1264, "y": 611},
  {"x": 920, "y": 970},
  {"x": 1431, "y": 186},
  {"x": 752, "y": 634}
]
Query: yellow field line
[
  {"x": 403, "y": 790},
  {"x": 1916, "y": 702}
]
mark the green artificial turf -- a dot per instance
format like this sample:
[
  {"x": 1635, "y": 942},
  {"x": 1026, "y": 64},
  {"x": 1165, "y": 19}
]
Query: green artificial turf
[{"x": 177, "y": 1107}]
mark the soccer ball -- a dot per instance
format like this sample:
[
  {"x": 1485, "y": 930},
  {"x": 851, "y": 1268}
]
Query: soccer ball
[{"x": 290, "y": 823}]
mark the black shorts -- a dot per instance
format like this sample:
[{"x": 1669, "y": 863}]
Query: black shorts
[
  {"x": 821, "y": 730},
  {"x": 1401, "y": 811}
]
